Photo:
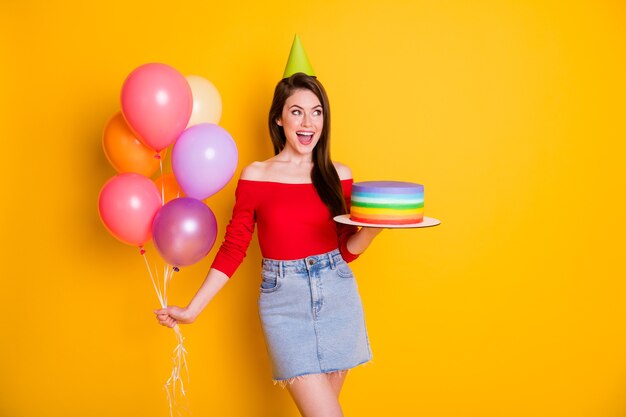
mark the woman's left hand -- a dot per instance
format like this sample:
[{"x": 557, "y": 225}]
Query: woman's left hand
[
  {"x": 358, "y": 242},
  {"x": 371, "y": 231}
]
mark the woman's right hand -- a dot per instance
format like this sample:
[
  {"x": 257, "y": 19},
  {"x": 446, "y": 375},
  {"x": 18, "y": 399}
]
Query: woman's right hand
[{"x": 170, "y": 316}]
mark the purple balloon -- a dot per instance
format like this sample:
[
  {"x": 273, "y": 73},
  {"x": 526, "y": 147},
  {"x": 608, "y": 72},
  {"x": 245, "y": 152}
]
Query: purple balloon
[
  {"x": 204, "y": 159},
  {"x": 184, "y": 231}
]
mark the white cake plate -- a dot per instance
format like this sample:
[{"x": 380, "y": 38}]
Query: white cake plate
[{"x": 427, "y": 222}]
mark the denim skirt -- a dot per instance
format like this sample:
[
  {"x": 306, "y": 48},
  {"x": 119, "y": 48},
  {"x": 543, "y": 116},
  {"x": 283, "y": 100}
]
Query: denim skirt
[{"x": 312, "y": 316}]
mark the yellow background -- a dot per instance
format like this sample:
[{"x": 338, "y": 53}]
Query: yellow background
[{"x": 510, "y": 112}]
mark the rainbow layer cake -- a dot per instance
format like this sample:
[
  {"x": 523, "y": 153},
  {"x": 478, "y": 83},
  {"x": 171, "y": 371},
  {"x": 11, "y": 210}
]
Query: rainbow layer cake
[{"x": 387, "y": 202}]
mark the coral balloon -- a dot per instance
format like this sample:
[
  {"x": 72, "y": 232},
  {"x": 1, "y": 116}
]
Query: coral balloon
[
  {"x": 125, "y": 152},
  {"x": 168, "y": 187},
  {"x": 184, "y": 231},
  {"x": 157, "y": 103},
  {"x": 204, "y": 159},
  {"x": 127, "y": 205},
  {"x": 207, "y": 102}
]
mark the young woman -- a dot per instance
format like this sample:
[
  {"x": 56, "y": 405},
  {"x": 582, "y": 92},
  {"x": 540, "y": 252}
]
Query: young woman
[{"x": 309, "y": 304}]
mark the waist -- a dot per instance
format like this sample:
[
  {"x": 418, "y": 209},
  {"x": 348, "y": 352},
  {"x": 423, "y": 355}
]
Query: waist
[
  {"x": 328, "y": 259},
  {"x": 295, "y": 239}
]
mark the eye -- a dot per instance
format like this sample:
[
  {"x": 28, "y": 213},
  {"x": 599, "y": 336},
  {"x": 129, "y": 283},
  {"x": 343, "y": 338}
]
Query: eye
[
  {"x": 317, "y": 113},
  {"x": 296, "y": 112}
]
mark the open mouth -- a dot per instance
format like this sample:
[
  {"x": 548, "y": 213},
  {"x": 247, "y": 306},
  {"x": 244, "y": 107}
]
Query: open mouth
[{"x": 305, "y": 138}]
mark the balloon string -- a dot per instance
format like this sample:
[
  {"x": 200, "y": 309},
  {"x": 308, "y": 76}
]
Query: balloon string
[
  {"x": 161, "y": 289},
  {"x": 154, "y": 283},
  {"x": 162, "y": 182},
  {"x": 166, "y": 278},
  {"x": 174, "y": 386},
  {"x": 175, "y": 382}
]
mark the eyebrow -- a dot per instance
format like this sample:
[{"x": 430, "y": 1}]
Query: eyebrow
[{"x": 314, "y": 107}]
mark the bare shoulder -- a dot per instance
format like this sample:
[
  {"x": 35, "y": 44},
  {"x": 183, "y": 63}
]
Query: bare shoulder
[
  {"x": 256, "y": 171},
  {"x": 343, "y": 171}
]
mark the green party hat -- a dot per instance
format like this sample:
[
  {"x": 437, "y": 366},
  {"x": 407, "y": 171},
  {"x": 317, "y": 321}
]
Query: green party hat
[{"x": 298, "y": 61}]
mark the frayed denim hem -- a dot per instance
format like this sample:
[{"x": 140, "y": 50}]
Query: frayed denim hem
[{"x": 284, "y": 382}]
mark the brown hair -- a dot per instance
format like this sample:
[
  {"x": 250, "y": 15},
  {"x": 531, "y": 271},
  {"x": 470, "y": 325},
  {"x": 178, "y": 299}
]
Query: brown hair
[{"x": 323, "y": 175}]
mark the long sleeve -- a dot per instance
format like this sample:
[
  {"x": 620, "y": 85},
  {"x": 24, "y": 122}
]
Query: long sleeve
[
  {"x": 238, "y": 232},
  {"x": 345, "y": 231}
]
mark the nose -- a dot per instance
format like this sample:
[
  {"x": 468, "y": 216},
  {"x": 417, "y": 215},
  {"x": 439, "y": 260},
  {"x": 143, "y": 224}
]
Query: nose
[{"x": 306, "y": 120}]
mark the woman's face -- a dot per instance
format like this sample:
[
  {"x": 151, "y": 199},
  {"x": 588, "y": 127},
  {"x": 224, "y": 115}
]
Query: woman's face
[{"x": 302, "y": 120}]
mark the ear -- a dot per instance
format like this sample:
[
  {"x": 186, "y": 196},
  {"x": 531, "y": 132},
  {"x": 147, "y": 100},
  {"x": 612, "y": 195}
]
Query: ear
[{"x": 279, "y": 122}]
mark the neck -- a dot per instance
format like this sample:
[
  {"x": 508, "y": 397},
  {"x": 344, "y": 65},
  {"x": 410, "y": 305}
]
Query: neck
[{"x": 291, "y": 156}]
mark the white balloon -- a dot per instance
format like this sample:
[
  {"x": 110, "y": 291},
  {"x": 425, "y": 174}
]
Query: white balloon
[{"x": 207, "y": 102}]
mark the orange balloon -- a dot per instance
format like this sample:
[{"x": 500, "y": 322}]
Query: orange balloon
[
  {"x": 168, "y": 187},
  {"x": 125, "y": 152}
]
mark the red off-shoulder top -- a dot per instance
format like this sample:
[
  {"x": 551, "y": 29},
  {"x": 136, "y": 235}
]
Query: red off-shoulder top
[{"x": 293, "y": 223}]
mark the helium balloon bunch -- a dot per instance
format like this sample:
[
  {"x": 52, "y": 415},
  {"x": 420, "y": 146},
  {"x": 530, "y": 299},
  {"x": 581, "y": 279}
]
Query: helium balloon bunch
[{"x": 160, "y": 108}]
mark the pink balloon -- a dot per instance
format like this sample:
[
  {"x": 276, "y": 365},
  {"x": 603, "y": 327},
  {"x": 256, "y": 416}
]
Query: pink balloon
[
  {"x": 184, "y": 231},
  {"x": 204, "y": 159},
  {"x": 157, "y": 104},
  {"x": 127, "y": 205}
]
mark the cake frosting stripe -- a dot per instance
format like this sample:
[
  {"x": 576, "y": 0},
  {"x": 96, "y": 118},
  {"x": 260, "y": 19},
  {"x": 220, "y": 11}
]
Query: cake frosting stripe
[
  {"x": 387, "y": 202},
  {"x": 399, "y": 188},
  {"x": 395, "y": 206},
  {"x": 387, "y": 221},
  {"x": 382, "y": 216},
  {"x": 368, "y": 198},
  {"x": 386, "y": 212}
]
